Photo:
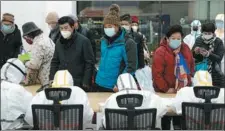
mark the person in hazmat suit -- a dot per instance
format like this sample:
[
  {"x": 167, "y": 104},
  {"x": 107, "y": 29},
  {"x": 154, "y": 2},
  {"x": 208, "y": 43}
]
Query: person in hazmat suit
[
  {"x": 186, "y": 94},
  {"x": 63, "y": 79},
  {"x": 14, "y": 98},
  {"x": 127, "y": 85},
  {"x": 195, "y": 32},
  {"x": 220, "y": 32}
]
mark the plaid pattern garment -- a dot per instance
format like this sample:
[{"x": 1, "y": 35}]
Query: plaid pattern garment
[{"x": 181, "y": 72}]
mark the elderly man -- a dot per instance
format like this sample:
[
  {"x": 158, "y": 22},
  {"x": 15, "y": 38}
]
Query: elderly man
[
  {"x": 10, "y": 39},
  {"x": 52, "y": 21}
]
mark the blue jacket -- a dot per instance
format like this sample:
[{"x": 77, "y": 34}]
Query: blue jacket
[{"x": 117, "y": 57}]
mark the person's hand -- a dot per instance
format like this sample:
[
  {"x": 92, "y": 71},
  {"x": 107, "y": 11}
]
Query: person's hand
[
  {"x": 204, "y": 53},
  {"x": 115, "y": 89},
  {"x": 197, "y": 50},
  {"x": 86, "y": 86},
  {"x": 171, "y": 91}
]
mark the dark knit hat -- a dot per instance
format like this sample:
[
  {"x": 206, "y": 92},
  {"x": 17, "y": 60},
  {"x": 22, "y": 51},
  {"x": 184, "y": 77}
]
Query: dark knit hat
[
  {"x": 125, "y": 17},
  {"x": 113, "y": 16}
]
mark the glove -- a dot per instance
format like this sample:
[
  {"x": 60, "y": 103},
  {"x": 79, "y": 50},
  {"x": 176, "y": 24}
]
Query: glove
[{"x": 24, "y": 57}]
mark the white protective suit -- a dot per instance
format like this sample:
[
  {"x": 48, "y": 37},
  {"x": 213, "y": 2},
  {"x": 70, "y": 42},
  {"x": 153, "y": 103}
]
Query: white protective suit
[
  {"x": 186, "y": 94},
  {"x": 78, "y": 96},
  {"x": 190, "y": 39},
  {"x": 220, "y": 33},
  {"x": 127, "y": 85},
  {"x": 14, "y": 98}
]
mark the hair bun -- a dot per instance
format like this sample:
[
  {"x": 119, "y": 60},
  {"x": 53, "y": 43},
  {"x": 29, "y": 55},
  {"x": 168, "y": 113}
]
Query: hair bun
[{"x": 114, "y": 8}]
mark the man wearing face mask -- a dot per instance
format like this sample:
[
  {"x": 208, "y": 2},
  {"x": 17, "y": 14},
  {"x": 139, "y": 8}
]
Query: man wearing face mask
[
  {"x": 10, "y": 39},
  {"x": 210, "y": 48},
  {"x": 138, "y": 38},
  {"x": 195, "y": 33},
  {"x": 73, "y": 52},
  {"x": 15, "y": 98},
  {"x": 41, "y": 54},
  {"x": 118, "y": 52},
  {"x": 52, "y": 21},
  {"x": 135, "y": 28}
]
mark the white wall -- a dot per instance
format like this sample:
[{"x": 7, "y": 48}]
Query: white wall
[{"x": 36, "y": 11}]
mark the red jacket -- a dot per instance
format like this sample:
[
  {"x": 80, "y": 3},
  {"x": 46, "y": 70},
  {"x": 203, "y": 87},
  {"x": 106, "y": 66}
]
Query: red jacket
[{"x": 164, "y": 65}]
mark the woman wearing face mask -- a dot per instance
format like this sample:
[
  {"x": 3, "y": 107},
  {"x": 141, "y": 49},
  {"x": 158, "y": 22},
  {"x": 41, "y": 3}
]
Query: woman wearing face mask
[
  {"x": 209, "y": 49},
  {"x": 118, "y": 52},
  {"x": 173, "y": 63},
  {"x": 173, "y": 67},
  {"x": 41, "y": 54}
]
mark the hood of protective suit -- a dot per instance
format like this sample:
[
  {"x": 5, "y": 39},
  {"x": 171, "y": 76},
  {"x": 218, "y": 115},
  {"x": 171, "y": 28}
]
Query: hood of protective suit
[
  {"x": 126, "y": 81},
  {"x": 62, "y": 78},
  {"x": 202, "y": 78},
  {"x": 196, "y": 23},
  {"x": 13, "y": 71}
]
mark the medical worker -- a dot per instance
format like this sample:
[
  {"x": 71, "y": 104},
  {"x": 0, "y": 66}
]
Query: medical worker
[
  {"x": 14, "y": 98},
  {"x": 186, "y": 94},
  {"x": 195, "y": 32},
  {"x": 65, "y": 80},
  {"x": 126, "y": 85}
]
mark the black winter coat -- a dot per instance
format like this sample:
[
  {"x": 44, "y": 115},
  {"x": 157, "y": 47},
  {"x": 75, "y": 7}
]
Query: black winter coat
[
  {"x": 55, "y": 34},
  {"x": 10, "y": 45},
  {"x": 138, "y": 38},
  {"x": 76, "y": 56},
  {"x": 216, "y": 58}
]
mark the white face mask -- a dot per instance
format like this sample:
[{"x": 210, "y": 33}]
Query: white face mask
[
  {"x": 66, "y": 34},
  {"x": 207, "y": 37},
  {"x": 110, "y": 32},
  {"x": 126, "y": 27},
  {"x": 135, "y": 28}
]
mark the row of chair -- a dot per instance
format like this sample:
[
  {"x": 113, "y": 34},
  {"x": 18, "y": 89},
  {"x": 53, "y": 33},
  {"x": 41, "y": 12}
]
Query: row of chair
[{"x": 195, "y": 116}]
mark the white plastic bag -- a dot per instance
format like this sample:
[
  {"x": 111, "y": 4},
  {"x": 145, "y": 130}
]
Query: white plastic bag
[{"x": 144, "y": 78}]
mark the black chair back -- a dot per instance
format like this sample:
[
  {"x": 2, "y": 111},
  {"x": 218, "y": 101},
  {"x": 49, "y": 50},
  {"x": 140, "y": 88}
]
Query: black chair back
[
  {"x": 58, "y": 117},
  {"x": 130, "y": 118},
  {"x": 206, "y": 93},
  {"x": 129, "y": 101},
  {"x": 57, "y": 94},
  {"x": 203, "y": 116}
]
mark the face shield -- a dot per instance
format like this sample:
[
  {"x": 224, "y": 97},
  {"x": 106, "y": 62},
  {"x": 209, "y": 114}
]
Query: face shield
[
  {"x": 13, "y": 71},
  {"x": 196, "y": 28}
]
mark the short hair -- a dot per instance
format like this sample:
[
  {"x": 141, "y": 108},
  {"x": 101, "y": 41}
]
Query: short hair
[
  {"x": 174, "y": 29},
  {"x": 66, "y": 19},
  {"x": 208, "y": 27},
  {"x": 35, "y": 33}
]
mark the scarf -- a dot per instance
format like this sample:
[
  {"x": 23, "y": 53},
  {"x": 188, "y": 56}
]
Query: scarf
[
  {"x": 211, "y": 45},
  {"x": 181, "y": 71}
]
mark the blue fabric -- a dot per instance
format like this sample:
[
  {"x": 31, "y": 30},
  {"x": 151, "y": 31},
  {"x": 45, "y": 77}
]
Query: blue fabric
[
  {"x": 184, "y": 64},
  {"x": 202, "y": 66},
  {"x": 111, "y": 57}
]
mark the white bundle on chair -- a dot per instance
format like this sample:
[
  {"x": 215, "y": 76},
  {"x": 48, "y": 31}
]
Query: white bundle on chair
[{"x": 144, "y": 78}]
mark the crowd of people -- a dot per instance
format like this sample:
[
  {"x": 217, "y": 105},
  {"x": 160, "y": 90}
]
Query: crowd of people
[{"x": 69, "y": 53}]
